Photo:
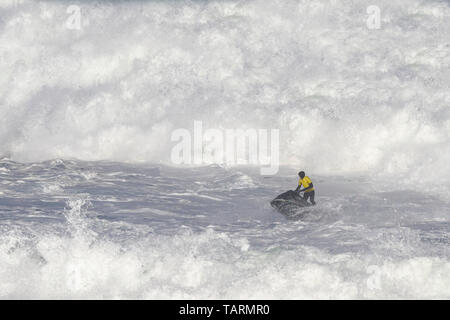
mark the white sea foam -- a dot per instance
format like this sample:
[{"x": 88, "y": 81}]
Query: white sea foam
[
  {"x": 206, "y": 265},
  {"x": 346, "y": 98}
]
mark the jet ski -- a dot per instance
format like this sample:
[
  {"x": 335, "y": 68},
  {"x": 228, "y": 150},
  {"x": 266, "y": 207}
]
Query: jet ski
[{"x": 290, "y": 204}]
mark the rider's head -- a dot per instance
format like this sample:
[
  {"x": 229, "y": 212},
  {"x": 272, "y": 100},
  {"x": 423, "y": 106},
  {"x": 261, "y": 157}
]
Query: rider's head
[{"x": 301, "y": 174}]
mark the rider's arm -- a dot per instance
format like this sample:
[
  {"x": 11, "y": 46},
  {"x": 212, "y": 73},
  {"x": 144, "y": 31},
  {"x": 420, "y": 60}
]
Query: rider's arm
[{"x": 309, "y": 187}]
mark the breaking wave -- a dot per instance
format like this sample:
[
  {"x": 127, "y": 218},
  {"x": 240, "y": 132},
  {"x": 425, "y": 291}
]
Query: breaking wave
[
  {"x": 79, "y": 263},
  {"x": 345, "y": 97}
]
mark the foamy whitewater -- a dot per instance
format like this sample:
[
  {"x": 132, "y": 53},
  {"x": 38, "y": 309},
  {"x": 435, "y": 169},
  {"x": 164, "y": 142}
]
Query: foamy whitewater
[{"x": 91, "y": 205}]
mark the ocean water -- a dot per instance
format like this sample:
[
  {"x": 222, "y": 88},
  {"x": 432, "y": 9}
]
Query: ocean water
[{"x": 92, "y": 206}]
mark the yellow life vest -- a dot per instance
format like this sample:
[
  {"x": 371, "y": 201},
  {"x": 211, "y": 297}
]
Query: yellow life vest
[{"x": 306, "y": 181}]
